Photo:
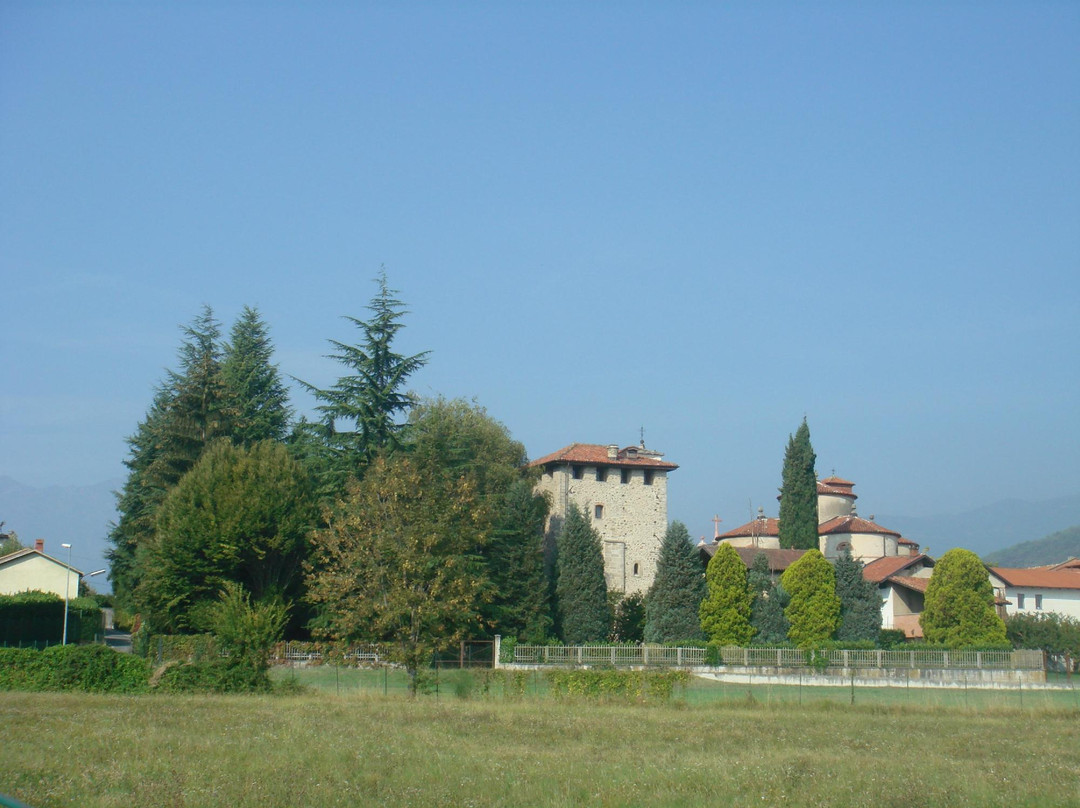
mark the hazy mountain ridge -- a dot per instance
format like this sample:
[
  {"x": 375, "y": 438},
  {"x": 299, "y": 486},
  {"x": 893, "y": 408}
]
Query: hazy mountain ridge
[
  {"x": 78, "y": 515},
  {"x": 992, "y": 528},
  {"x": 1052, "y": 549}
]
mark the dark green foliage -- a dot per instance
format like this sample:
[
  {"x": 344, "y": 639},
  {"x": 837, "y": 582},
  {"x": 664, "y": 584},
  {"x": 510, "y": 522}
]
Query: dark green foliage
[
  {"x": 629, "y": 623},
  {"x": 581, "y": 591},
  {"x": 1048, "y": 631},
  {"x": 671, "y": 607},
  {"x": 88, "y": 668},
  {"x": 37, "y": 618},
  {"x": 615, "y": 685},
  {"x": 767, "y": 610},
  {"x": 725, "y": 612},
  {"x": 798, "y": 493},
  {"x": 1052, "y": 549},
  {"x": 860, "y": 604},
  {"x": 891, "y": 638},
  {"x": 256, "y": 398},
  {"x": 959, "y": 608},
  {"x": 214, "y": 676},
  {"x": 814, "y": 608},
  {"x": 520, "y": 606},
  {"x": 242, "y": 515},
  {"x": 363, "y": 412}
]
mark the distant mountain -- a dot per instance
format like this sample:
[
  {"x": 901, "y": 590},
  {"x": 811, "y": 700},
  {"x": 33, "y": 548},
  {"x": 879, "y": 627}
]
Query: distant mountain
[
  {"x": 986, "y": 530},
  {"x": 1052, "y": 549},
  {"x": 76, "y": 515}
]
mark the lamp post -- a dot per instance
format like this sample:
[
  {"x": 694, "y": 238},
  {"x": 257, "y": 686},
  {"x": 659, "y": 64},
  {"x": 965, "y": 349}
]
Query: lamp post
[{"x": 67, "y": 588}]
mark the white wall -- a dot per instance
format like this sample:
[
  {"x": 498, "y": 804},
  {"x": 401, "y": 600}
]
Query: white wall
[{"x": 35, "y": 571}]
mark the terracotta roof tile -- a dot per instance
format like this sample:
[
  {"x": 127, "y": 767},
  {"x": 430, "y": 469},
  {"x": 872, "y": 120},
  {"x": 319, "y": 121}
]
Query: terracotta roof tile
[
  {"x": 779, "y": 560},
  {"x": 1038, "y": 578},
  {"x": 834, "y": 485},
  {"x": 881, "y": 568},
  {"x": 910, "y": 581},
  {"x": 597, "y": 455},
  {"x": 838, "y": 481},
  {"x": 853, "y": 524},
  {"x": 902, "y": 540},
  {"x": 766, "y": 526}
]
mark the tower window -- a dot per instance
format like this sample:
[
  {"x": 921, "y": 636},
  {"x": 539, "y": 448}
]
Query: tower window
[
  {"x": 601, "y": 474},
  {"x": 624, "y": 476},
  {"x": 648, "y": 476},
  {"x": 637, "y": 569},
  {"x": 599, "y": 511},
  {"x": 578, "y": 472}
]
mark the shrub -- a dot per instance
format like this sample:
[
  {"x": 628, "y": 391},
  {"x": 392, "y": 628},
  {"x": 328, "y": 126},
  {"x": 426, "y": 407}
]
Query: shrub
[
  {"x": 616, "y": 685},
  {"x": 891, "y": 639},
  {"x": 89, "y": 668},
  {"x": 213, "y": 676}
]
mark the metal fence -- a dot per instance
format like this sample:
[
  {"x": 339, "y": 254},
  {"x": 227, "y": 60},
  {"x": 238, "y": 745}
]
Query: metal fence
[
  {"x": 368, "y": 654},
  {"x": 922, "y": 658}
]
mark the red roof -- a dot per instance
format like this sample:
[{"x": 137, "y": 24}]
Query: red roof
[
  {"x": 881, "y": 568},
  {"x": 596, "y": 455},
  {"x": 779, "y": 560},
  {"x": 836, "y": 486},
  {"x": 853, "y": 524},
  {"x": 910, "y": 581},
  {"x": 1071, "y": 564},
  {"x": 839, "y": 481},
  {"x": 765, "y": 526},
  {"x": 902, "y": 540},
  {"x": 1038, "y": 578}
]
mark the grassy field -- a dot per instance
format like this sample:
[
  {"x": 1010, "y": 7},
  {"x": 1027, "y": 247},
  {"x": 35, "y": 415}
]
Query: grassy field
[{"x": 324, "y": 749}]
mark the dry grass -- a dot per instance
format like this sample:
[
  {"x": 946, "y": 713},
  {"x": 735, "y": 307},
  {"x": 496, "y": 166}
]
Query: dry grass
[{"x": 326, "y": 750}]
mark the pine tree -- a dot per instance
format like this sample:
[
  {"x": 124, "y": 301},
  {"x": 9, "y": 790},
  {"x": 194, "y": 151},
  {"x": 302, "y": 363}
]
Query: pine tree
[
  {"x": 959, "y": 608},
  {"x": 860, "y": 604},
  {"x": 671, "y": 607},
  {"x": 798, "y": 493},
  {"x": 581, "y": 591},
  {"x": 370, "y": 401},
  {"x": 725, "y": 612},
  {"x": 767, "y": 611},
  {"x": 629, "y": 623},
  {"x": 814, "y": 608},
  {"x": 256, "y": 395}
]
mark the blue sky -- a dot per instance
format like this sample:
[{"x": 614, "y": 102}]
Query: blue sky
[{"x": 703, "y": 219}]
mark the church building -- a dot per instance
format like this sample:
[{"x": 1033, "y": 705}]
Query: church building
[{"x": 623, "y": 493}]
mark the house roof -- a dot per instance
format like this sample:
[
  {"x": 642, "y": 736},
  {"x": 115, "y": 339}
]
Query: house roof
[
  {"x": 1071, "y": 564},
  {"x": 596, "y": 455},
  {"x": 764, "y": 526},
  {"x": 779, "y": 560},
  {"x": 902, "y": 540},
  {"x": 28, "y": 551},
  {"x": 1038, "y": 578},
  {"x": 853, "y": 524},
  {"x": 881, "y": 568},
  {"x": 910, "y": 582}
]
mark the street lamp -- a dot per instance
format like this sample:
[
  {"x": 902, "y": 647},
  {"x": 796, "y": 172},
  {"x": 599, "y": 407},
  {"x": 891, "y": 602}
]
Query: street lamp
[{"x": 67, "y": 586}]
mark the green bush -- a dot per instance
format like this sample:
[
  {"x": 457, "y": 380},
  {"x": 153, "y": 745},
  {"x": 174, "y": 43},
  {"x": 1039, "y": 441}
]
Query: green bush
[
  {"x": 213, "y": 676},
  {"x": 37, "y": 618},
  {"x": 89, "y": 668},
  {"x": 616, "y": 685},
  {"x": 891, "y": 639}
]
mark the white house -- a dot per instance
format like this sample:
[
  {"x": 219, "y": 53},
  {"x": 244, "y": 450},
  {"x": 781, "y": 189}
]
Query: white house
[
  {"x": 901, "y": 582},
  {"x": 1038, "y": 589},
  {"x": 31, "y": 569}
]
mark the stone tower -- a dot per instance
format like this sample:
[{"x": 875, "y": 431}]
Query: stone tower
[{"x": 623, "y": 493}]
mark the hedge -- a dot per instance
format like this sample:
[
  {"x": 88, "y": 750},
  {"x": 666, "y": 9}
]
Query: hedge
[
  {"x": 37, "y": 618},
  {"x": 88, "y": 668}
]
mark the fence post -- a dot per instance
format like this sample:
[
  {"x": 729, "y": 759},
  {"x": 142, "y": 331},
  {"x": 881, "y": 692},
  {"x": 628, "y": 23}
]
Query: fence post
[
  {"x": 978, "y": 660},
  {"x": 678, "y": 656},
  {"x": 579, "y": 655},
  {"x": 613, "y": 656},
  {"x": 496, "y": 651}
]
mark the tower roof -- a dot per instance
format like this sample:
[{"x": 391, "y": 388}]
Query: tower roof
[
  {"x": 853, "y": 524},
  {"x": 837, "y": 487},
  {"x": 594, "y": 454}
]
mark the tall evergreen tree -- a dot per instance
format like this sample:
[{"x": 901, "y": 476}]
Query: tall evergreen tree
[
  {"x": 362, "y": 412},
  {"x": 798, "y": 493},
  {"x": 814, "y": 608},
  {"x": 959, "y": 609},
  {"x": 767, "y": 611},
  {"x": 725, "y": 612},
  {"x": 256, "y": 395},
  {"x": 629, "y": 619},
  {"x": 581, "y": 591},
  {"x": 671, "y": 607},
  {"x": 860, "y": 604}
]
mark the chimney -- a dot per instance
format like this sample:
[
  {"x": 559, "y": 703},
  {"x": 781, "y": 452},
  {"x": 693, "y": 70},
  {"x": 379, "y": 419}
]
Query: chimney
[
  {"x": 39, "y": 545},
  {"x": 613, "y": 451}
]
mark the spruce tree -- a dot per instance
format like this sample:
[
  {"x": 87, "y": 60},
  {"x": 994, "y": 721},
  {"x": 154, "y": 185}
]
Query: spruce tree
[
  {"x": 767, "y": 611},
  {"x": 671, "y": 607},
  {"x": 362, "y": 413},
  {"x": 725, "y": 612},
  {"x": 629, "y": 623},
  {"x": 860, "y": 604},
  {"x": 798, "y": 493},
  {"x": 581, "y": 591},
  {"x": 814, "y": 608},
  {"x": 959, "y": 608},
  {"x": 256, "y": 394}
]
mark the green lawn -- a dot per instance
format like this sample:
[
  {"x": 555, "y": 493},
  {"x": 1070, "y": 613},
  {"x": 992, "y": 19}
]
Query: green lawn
[{"x": 363, "y": 748}]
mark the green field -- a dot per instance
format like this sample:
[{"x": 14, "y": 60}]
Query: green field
[{"x": 363, "y": 748}]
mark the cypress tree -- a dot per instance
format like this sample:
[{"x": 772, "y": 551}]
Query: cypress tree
[
  {"x": 581, "y": 591},
  {"x": 671, "y": 607},
  {"x": 767, "y": 611},
  {"x": 860, "y": 605},
  {"x": 798, "y": 493},
  {"x": 725, "y": 612},
  {"x": 256, "y": 395}
]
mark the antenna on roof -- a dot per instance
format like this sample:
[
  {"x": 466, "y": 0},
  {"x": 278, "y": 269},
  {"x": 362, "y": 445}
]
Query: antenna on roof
[{"x": 643, "y": 437}]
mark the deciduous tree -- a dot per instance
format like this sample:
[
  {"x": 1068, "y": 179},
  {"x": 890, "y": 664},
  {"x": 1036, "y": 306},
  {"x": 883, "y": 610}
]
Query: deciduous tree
[
  {"x": 725, "y": 612},
  {"x": 814, "y": 608},
  {"x": 671, "y": 607},
  {"x": 959, "y": 607},
  {"x": 798, "y": 493}
]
